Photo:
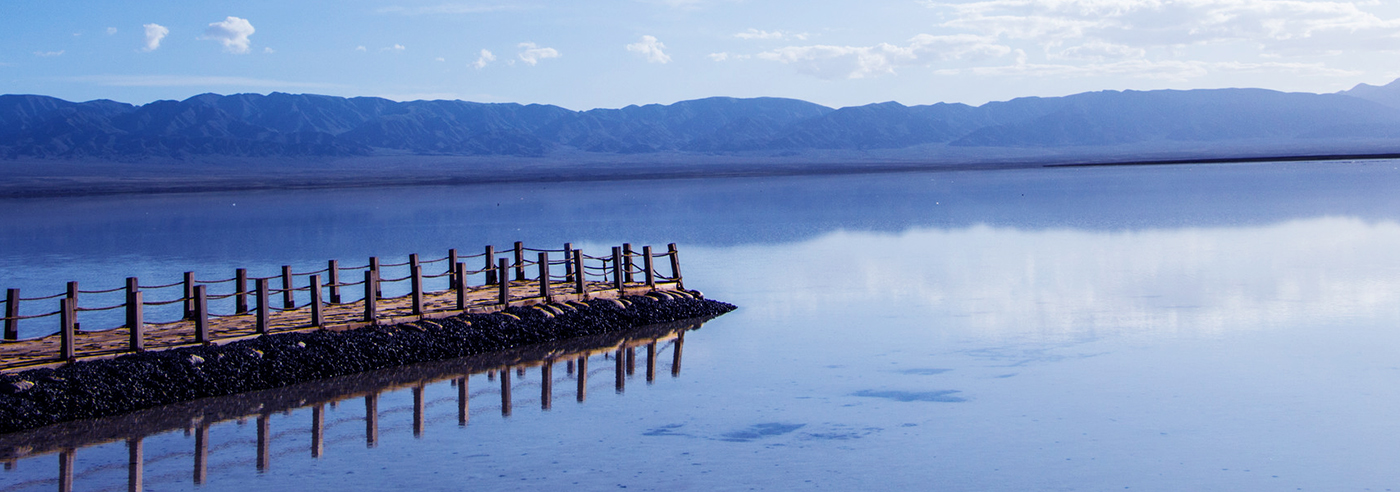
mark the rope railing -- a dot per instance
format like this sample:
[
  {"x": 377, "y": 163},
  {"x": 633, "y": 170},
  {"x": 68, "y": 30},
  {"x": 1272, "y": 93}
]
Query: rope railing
[{"x": 512, "y": 272}]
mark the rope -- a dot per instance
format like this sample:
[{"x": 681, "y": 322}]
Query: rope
[
  {"x": 55, "y": 296},
  {"x": 32, "y": 316},
  {"x": 425, "y": 262},
  {"x": 162, "y": 303},
  {"x": 108, "y": 308},
  {"x": 443, "y": 274},
  {"x": 215, "y": 281},
  {"x": 182, "y": 282},
  {"x": 213, "y": 297},
  {"x": 323, "y": 270},
  {"x": 350, "y": 284},
  {"x": 352, "y": 268},
  {"x": 478, "y": 255},
  {"x": 102, "y": 291},
  {"x": 383, "y": 265},
  {"x": 400, "y": 279},
  {"x": 544, "y": 250}
]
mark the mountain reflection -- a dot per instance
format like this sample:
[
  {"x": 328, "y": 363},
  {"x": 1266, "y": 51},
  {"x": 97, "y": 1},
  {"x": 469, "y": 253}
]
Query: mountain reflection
[{"x": 506, "y": 376}]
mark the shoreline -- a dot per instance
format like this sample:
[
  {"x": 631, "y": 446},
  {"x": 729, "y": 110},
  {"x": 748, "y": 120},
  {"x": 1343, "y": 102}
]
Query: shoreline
[
  {"x": 104, "y": 388},
  {"x": 113, "y": 178}
]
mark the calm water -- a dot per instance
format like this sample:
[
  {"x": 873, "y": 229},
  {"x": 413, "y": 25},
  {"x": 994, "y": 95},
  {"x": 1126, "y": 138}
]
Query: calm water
[{"x": 1232, "y": 327}]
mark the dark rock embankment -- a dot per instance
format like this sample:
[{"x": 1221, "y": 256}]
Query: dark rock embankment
[{"x": 101, "y": 388}]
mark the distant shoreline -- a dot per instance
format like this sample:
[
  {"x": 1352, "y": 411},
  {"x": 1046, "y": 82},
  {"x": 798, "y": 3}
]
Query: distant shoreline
[{"x": 52, "y": 179}]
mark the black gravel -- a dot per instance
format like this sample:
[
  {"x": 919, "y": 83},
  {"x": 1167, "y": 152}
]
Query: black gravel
[{"x": 102, "y": 388}]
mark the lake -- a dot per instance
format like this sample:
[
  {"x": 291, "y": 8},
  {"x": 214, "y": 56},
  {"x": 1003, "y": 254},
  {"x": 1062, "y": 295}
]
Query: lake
[{"x": 1204, "y": 327}]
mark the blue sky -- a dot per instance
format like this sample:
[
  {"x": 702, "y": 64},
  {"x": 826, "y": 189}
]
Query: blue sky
[{"x": 613, "y": 53}]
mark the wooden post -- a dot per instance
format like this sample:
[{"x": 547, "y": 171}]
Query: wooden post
[
  {"x": 264, "y": 442},
  {"x": 418, "y": 408},
  {"x": 676, "y": 355},
  {"x": 675, "y": 265},
  {"x": 317, "y": 310},
  {"x": 333, "y": 280},
  {"x": 617, "y": 268},
  {"x": 189, "y": 295},
  {"x": 65, "y": 322},
  {"x": 371, "y": 419},
  {"x": 201, "y": 452},
  {"x": 504, "y": 284},
  {"x": 201, "y": 314},
  {"x": 646, "y": 264},
  {"x": 264, "y": 311},
  {"x": 519, "y": 260},
  {"x": 462, "y": 413},
  {"x": 459, "y": 282},
  {"x": 621, "y": 378},
  {"x": 451, "y": 266},
  {"x": 135, "y": 465},
  {"x": 12, "y": 314},
  {"x": 631, "y": 360},
  {"x": 579, "y": 275},
  {"x": 627, "y": 260},
  {"x": 490, "y": 265},
  {"x": 318, "y": 430},
  {"x": 568, "y": 262},
  {"x": 415, "y": 274},
  {"x": 288, "y": 295},
  {"x": 73, "y": 294},
  {"x": 547, "y": 384},
  {"x": 240, "y": 291},
  {"x": 370, "y": 297},
  {"x": 651, "y": 362},
  {"x": 135, "y": 316},
  {"x": 544, "y": 276},
  {"x": 582, "y": 377},
  {"x": 374, "y": 268},
  {"x": 505, "y": 391},
  {"x": 65, "y": 469}
]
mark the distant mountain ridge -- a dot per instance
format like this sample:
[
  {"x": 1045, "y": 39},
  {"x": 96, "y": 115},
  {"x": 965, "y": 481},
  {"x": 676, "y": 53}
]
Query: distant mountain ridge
[{"x": 300, "y": 125}]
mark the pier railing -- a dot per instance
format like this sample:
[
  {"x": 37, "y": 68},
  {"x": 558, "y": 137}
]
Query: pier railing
[{"x": 205, "y": 311}]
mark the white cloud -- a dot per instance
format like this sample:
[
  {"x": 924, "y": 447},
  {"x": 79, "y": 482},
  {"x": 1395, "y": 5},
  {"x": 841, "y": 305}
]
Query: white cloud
[
  {"x": 1289, "y": 26},
  {"x": 1173, "y": 70},
  {"x": 111, "y": 31},
  {"x": 757, "y": 34},
  {"x": 268, "y": 50},
  {"x": 233, "y": 32},
  {"x": 395, "y": 47},
  {"x": 441, "y": 59},
  {"x": 154, "y": 33},
  {"x": 1099, "y": 51},
  {"x": 719, "y": 57},
  {"x": 49, "y": 53},
  {"x": 485, "y": 58},
  {"x": 360, "y": 48},
  {"x": 855, "y": 62},
  {"x": 650, "y": 48},
  {"x": 532, "y": 54}
]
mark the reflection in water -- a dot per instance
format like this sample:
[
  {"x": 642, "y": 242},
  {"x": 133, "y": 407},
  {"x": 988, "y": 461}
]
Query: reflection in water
[{"x": 201, "y": 416}]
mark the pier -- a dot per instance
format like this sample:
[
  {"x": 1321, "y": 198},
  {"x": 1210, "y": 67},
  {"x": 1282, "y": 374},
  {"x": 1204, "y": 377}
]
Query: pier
[
  {"x": 505, "y": 374},
  {"x": 337, "y": 298}
]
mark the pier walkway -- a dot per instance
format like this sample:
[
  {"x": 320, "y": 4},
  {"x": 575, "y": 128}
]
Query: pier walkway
[{"x": 334, "y": 298}]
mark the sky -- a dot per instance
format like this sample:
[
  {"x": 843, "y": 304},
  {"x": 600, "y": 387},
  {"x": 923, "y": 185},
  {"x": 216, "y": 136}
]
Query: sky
[{"x": 614, "y": 53}]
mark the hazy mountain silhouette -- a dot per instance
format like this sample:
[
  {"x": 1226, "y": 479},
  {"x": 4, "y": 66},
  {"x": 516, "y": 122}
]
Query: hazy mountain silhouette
[{"x": 298, "y": 125}]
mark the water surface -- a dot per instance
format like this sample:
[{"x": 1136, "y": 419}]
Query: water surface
[{"x": 1217, "y": 327}]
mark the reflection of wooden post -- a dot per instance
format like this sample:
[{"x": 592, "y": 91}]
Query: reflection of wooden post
[
  {"x": 135, "y": 467},
  {"x": 631, "y": 360},
  {"x": 618, "y": 366},
  {"x": 676, "y": 355},
  {"x": 135, "y": 316},
  {"x": 582, "y": 377},
  {"x": 651, "y": 361},
  {"x": 491, "y": 375},
  {"x": 505, "y": 391},
  {"x": 462, "y": 395},
  {"x": 318, "y": 430},
  {"x": 201, "y": 452},
  {"x": 546, "y": 384},
  {"x": 264, "y": 311},
  {"x": 65, "y": 469},
  {"x": 569, "y": 367},
  {"x": 371, "y": 419},
  {"x": 264, "y": 442},
  {"x": 418, "y": 410}
]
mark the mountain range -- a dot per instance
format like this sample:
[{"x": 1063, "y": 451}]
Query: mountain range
[{"x": 303, "y": 125}]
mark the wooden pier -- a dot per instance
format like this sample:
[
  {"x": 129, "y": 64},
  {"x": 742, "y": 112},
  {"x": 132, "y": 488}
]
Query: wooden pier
[
  {"x": 333, "y": 298},
  {"x": 505, "y": 373}
]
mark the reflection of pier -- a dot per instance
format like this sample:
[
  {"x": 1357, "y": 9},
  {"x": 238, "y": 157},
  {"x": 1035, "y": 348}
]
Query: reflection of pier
[{"x": 197, "y": 418}]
